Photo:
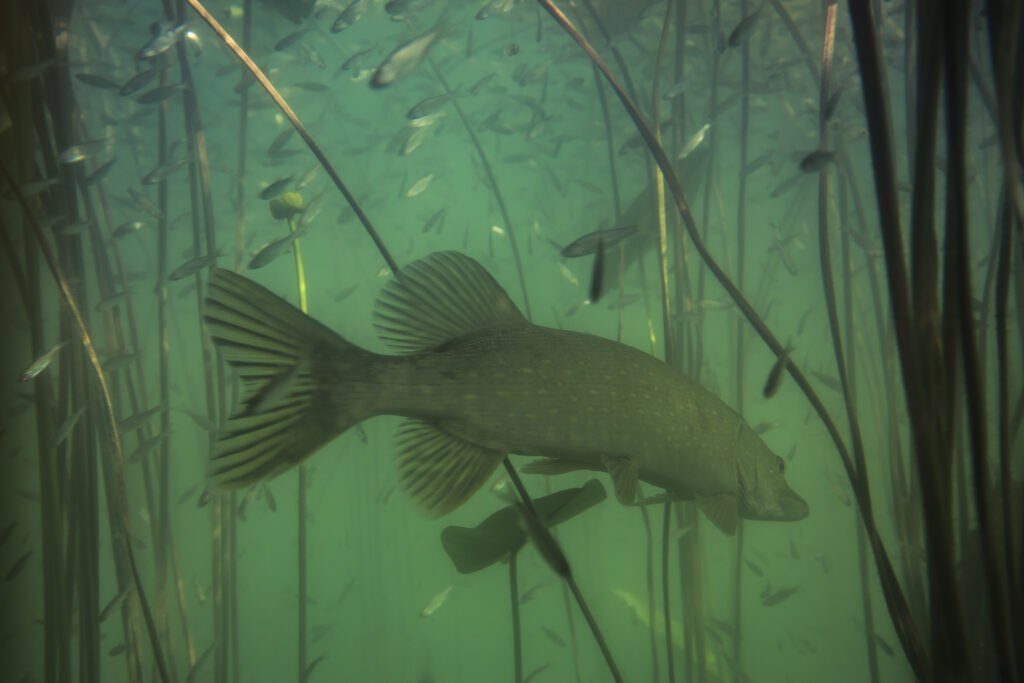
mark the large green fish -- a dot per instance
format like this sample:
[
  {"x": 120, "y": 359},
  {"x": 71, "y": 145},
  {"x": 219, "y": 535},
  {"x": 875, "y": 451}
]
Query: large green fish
[{"x": 478, "y": 381}]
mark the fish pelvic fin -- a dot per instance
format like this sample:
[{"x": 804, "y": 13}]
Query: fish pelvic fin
[
  {"x": 441, "y": 297},
  {"x": 289, "y": 366},
  {"x": 625, "y": 477},
  {"x": 438, "y": 470}
]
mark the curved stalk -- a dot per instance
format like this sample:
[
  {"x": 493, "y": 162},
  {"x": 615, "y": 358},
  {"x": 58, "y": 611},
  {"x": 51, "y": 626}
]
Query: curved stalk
[{"x": 905, "y": 628}]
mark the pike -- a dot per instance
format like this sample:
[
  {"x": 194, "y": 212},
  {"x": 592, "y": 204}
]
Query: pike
[{"x": 476, "y": 382}]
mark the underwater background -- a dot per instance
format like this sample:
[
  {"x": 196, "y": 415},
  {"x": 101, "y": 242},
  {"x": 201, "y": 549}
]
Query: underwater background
[{"x": 504, "y": 142}]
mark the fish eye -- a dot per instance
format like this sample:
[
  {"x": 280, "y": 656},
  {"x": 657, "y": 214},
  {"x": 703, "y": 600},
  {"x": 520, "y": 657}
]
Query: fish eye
[{"x": 782, "y": 466}]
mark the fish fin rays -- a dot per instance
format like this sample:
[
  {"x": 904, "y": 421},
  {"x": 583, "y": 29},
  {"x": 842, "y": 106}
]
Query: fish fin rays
[
  {"x": 441, "y": 297},
  {"x": 286, "y": 410},
  {"x": 723, "y": 511},
  {"x": 438, "y": 470},
  {"x": 625, "y": 475},
  {"x": 550, "y": 466}
]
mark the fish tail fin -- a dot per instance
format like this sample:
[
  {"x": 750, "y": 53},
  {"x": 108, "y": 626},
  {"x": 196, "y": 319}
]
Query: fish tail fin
[{"x": 291, "y": 368}]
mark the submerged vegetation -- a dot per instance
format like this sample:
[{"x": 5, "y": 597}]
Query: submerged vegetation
[{"x": 591, "y": 226}]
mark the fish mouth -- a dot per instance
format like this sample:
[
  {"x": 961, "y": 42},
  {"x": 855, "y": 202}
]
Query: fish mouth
[{"x": 792, "y": 507}]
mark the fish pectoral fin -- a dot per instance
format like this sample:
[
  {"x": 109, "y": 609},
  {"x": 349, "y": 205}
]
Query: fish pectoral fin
[
  {"x": 625, "y": 478},
  {"x": 550, "y": 466},
  {"x": 438, "y": 470},
  {"x": 723, "y": 511}
]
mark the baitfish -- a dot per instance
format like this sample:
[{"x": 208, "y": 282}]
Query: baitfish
[
  {"x": 476, "y": 382},
  {"x": 404, "y": 59}
]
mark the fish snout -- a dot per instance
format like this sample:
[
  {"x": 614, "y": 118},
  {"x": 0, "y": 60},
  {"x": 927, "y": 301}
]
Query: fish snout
[{"x": 792, "y": 507}]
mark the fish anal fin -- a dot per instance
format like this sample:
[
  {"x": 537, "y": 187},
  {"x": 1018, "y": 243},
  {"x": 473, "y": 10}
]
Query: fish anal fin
[
  {"x": 438, "y": 470},
  {"x": 625, "y": 475},
  {"x": 723, "y": 511},
  {"x": 550, "y": 466}
]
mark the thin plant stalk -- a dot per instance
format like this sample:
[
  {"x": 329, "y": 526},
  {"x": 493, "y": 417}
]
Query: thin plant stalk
[
  {"x": 513, "y": 596},
  {"x": 243, "y": 140},
  {"x": 741, "y": 262},
  {"x": 303, "y": 555},
  {"x": 114, "y": 460},
  {"x": 531, "y": 510},
  {"x": 843, "y": 363},
  {"x": 492, "y": 182},
  {"x": 905, "y": 628},
  {"x": 666, "y": 526},
  {"x": 956, "y": 35}
]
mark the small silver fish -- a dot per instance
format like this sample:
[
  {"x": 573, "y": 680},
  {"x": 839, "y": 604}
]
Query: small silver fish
[
  {"x": 404, "y": 59},
  {"x": 779, "y": 596},
  {"x": 694, "y": 142},
  {"x": 816, "y": 160},
  {"x": 420, "y": 186},
  {"x": 744, "y": 28},
  {"x": 41, "y": 363},
  {"x": 163, "y": 172},
  {"x": 776, "y": 374},
  {"x": 350, "y": 15},
  {"x": 275, "y": 188},
  {"x": 139, "y": 81},
  {"x": 160, "y": 93},
  {"x": 193, "y": 266},
  {"x": 127, "y": 228},
  {"x": 436, "y": 602},
  {"x": 164, "y": 38},
  {"x": 270, "y": 251}
]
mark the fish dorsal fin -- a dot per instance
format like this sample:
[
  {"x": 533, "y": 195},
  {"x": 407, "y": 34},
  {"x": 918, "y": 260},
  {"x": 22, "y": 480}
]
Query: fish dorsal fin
[
  {"x": 438, "y": 298},
  {"x": 550, "y": 466},
  {"x": 437, "y": 469},
  {"x": 625, "y": 476},
  {"x": 723, "y": 511}
]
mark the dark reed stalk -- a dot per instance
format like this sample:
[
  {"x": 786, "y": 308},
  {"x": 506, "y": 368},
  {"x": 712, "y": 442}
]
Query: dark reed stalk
[
  {"x": 649, "y": 545},
  {"x": 513, "y": 596},
  {"x": 947, "y": 634},
  {"x": 162, "y": 515},
  {"x": 905, "y": 494},
  {"x": 666, "y": 525},
  {"x": 570, "y": 581},
  {"x": 1004, "y": 41},
  {"x": 303, "y": 530},
  {"x": 492, "y": 182},
  {"x": 850, "y": 373},
  {"x": 955, "y": 34},
  {"x": 243, "y": 139},
  {"x": 204, "y": 241},
  {"x": 895, "y": 598},
  {"x": 741, "y": 257},
  {"x": 117, "y": 495},
  {"x": 712, "y": 143},
  {"x": 666, "y": 328},
  {"x": 1002, "y": 292},
  {"x": 232, "y": 580},
  {"x": 243, "y": 144},
  {"x": 610, "y": 147},
  {"x": 843, "y": 362},
  {"x": 666, "y": 309}
]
